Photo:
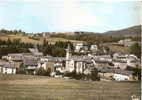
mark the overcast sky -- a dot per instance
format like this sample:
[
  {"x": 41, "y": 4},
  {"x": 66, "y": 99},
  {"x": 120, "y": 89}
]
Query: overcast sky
[{"x": 68, "y": 15}]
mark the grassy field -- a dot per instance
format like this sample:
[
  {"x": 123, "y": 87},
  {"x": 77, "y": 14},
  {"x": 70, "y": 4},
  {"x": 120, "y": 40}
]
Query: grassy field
[
  {"x": 119, "y": 49},
  {"x": 22, "y": 87},
  {"x": 27, "y": 39},
  {"x": 116, "y": 48}
]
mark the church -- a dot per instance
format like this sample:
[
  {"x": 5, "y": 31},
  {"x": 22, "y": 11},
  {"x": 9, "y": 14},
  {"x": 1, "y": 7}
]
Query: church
[{"x": 77, "y": 63}]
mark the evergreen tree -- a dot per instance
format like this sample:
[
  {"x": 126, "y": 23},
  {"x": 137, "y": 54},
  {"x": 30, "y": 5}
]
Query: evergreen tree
[{"x": 136, "y": 49}]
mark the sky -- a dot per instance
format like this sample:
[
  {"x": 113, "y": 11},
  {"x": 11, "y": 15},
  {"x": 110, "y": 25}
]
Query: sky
[{"x": 69, "y": 15}]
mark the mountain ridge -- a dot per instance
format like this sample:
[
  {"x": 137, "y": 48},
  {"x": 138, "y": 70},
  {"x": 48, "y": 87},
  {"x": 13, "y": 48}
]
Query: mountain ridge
[{"x": 134, "y": 30}]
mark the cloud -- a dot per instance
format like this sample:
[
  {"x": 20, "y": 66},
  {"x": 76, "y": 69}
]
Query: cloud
[
  {"x": 65, "y": 15},
  {"x": 77, "y": 19}
]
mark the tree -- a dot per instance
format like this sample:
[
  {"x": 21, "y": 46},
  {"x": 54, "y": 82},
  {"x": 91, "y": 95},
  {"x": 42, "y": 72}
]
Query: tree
[
  {"x": 74, "y": 75},
  {"x": 136, "y": 49},
  {"x": 40, "y": 71},
  {"x": 15, "y": 46},
  {"x": 21, "y": 70},
  {"x": 136, "y": 71},
  {"x": 60, "y": 52},
  {"x": 94, "y": 75}
]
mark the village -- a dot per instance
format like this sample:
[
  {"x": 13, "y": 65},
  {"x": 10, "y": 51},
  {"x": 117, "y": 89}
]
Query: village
[
  {"x": 70, "y": 50},
  {"x": 108, "y": 68}
]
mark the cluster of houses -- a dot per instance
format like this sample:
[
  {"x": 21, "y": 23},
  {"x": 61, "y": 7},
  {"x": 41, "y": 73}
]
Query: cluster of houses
[
  {"x": 83, "y": 48},
  {"x": 125, "y": 42},
  {"x": 109, "y": 68}
]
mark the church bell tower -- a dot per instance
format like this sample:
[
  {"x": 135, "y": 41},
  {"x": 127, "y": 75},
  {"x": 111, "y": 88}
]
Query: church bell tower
[
  {"x": 68, "y": 52},
  {"x": 68, "y": 57}
]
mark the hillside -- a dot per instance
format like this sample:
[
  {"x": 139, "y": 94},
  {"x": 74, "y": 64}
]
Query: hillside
[
  {"x": 34, "y": 40},
  {"x": 74, "y": 37},
  {"x": 131, "y": 31}
]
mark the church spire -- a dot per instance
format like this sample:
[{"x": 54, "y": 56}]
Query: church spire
[{"x": 68, "y": 52}]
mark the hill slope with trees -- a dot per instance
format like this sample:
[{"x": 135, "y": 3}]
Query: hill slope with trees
[{"x": 131, "y": 31}]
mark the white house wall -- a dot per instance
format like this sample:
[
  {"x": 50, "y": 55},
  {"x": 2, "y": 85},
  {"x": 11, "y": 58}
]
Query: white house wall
[
  {"x": 7, "y": 70},
  {"x": 120, "y": 65},
  {"x": 43, "y": 65},
  {"x": 119, "y": 77},
  {"x": 70, "y": 65},
  {"x": 79, "y": 67}
]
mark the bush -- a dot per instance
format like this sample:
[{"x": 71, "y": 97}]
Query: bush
[
  {"x": 136, "y": 49},
  {"x": 59, "y": 73},
  {"x": 93, "y": 76},
  {"x": 74, "y": 75},
  {"x": 41, "y": 71},
  {"x": 34, "y": 38},
  {"x": 136, "y": 71},
  {"x": 20, "y": 71}
]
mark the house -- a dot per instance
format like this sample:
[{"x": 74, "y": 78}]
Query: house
[
  {"x": 115, "y": 74},
  {"x": 94, "y": 48},
  {"x": 78, "y": 47},
  {"x": 106, "y": 76},
  {"x": 14, "y": 57},
  {"x": 106, "y": 73},
  {"x": 133, "y": 61},
  {"x": 126, "y": 42},
  {"x": 122, "y": 61},
  {"x": 30, "y": 65},
  {"x": 119, "y": 77},
  {"x": 7, "y": 68},
  {"x": 125, "y": 72},
  {"x": 103, "y": 61},
  {"x": 106, "y": 58},
  {"x": 120, "y": 64},
  {"x": 42, "y": 64},
  {"x": 55, "y": 64},
  {"x": 49, "y": 60},
  {"x": 60, "y": 64},
  {"x": 122, "y": 75},
  {"x": 81, "y": 47}
]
